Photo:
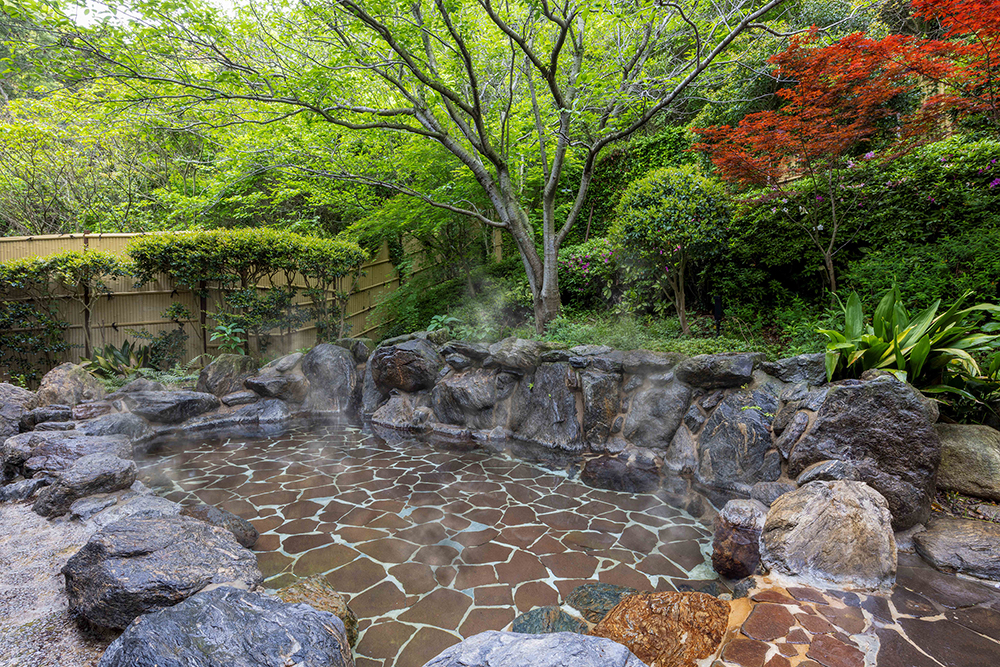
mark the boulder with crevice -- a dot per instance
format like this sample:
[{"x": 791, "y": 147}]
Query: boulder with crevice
[
  {"x": 170, "y": 407},
  {"x": 14, "y": 402},
  {"x": 719, "y": 371},
  {"x": 48, "y": 452},
  {"x": 473, "y": 398},
  {"x": 655, "y": 414},
  {"x": 91, "y": 474},
  {"x": 333, "y": 378},
  {"x": 225, "y": 374},
  {"x": 282, "y": 379},
  {"x": 124, "y": 423},
  {"x": 543, "y": 408},
  {"x": 408, "y": 366},
  {"x": 43, "y": 414},
  {"x": 69, "y": 384},
  {"x": 807, "y": 368},
  {"x": 734, "y": 446}
]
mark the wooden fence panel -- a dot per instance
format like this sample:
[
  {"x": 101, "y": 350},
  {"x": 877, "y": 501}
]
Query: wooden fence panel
[{"x": 140, "y": 308}]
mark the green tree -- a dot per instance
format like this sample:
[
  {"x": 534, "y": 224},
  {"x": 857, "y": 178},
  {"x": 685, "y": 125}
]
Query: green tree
[
  {"x": 667, "y": 218},
  {"x": 515, "y": 92}
]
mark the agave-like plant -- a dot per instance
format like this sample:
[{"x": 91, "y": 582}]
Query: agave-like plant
[
  {"x": 921, "y": 350},
  {"x": 111, "y": 361}
]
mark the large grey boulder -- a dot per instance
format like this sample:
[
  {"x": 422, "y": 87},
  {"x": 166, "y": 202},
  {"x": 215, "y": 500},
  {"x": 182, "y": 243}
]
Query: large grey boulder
[
  {"x": 282, "y": 378},
  {"x": 600, "y": 403},
  {"x": 558, "y": 649},
  {"x": 225, "y": 374},
  {"x": 123, "y": 423},
  {"x": 46, "y": 452},
  {"x": 655, "y": 414},
  {"x": 718, "y": 371},
  {"x": 832, "y": 533},
  {"x": 470, "y": 397},
  {"x": 141, "y": 384},
  {"x": 518, "y": 353},
  {"x": 136, "y": 566},
  {"x": 409, "y": 366},
  {"x": 736, "y": 544},
  {"x": 130, "y": 504},
  {"x": 44, "y": 414},
  {"x": 970, "y": 460},
  {"x": 734, "y": 446},
  {"x": 808, "y": 368},
  {"x": 170, "y": 407},
  {"x": 91, "y": 474},
  {"x": 264, "y": 411},
  {"x": 333, "y": 378},
  {"x": 22, "y": 490},
  {"x": 235, "y": 628},
  {"x": 14, "y": 402},
  {"x": 242, "y": 530},
  {"x": 881, "y": 425},
  {"x": 543, "y": 408},
  {"x": 961, "y": 545},
  {"x": 69, "y": 384},
  {"x": 644, "y": 362}
]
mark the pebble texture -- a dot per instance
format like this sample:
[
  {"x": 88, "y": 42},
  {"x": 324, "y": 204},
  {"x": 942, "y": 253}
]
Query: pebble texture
[
  {"x": 235, "y": 628},
  {"x": 509, "y": 649}
]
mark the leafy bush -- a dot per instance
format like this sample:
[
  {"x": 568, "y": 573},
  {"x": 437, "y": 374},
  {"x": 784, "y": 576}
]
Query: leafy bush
[
  {"x": 30, "y": 327},
  {"x": 587, "y": 273}
]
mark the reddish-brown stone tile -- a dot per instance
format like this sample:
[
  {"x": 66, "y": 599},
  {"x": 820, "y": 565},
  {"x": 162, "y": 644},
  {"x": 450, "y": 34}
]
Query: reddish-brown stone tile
[
  {"x": 566, "y": 586},
  {"x": 486, "y": 516},
  {"x": 657, "y": 565},
  {"x": 333, "y": 511},
  {"x": 849, "y": 619},
  {"x": 806, "y": 594},
  {"x": 546, "y": 544},
  {"x": 356, "y": 576},
  {"x": 455, "y": 522},
  {"x": 325, "y": 491},
  {"x": 428, "y": 533},
  {"x": 638, "y": 539},
  {"x": 621, "y": 575},
  {"x": 426, "y": 515},
  {"x": 778, "y": 661},
  {"x": 303, "y": 509},
  {"x": 275, "y": 498},
  {"x": 576, "y": 565},
  {"x": 745, "y": 652},
  {"x": 476, "y": 538},
  {"x": 297, "y": 527},
  {"x": 814, "y": 624},
  {"x": 443, "y": 608},
  {"x": 606, "y": 526},
  {"x": 390, "y": 521},
  {"x": 384, "y": 640},
  {"x": 797, "y": 636},
  {"x": 686, "y": 554},
  {"x": 416, "y": 578},
  {"x": 295, "y": 544},
  {"x": 436, "y": 555},
  {"x": 679, "y": 534},
  {"x": 265, "y": 524},
  {"x": 355, "y": 535},
  {"x": 535, "y": 594},
  {"x": 522, "y": 567},
  {"x": 768, "y": 622},
  {"x": 271, "y": 563},
  {"x": 771, "y": 595},
  {"x": 564, "y": 521},
  {"x": 521, "y": 536},
  {"x": 494, "y": 596},
  {"x": 786, "y": 649},
  {"x": 425, "y": 646},
  {"x": 267, "y": 542},
  {"x": 481, "y": 620},
  {"x": 519, "y": 515},
  {"x": 590, "y": 539},
  {"x": 359, "y": 516},
  {"x": 487, "y": 553},
  {"x": 472, "y": 576},
  {"x": 831, "y": 652},
  {"x": 444, "y": 575},
  {"x": 376, "y": 601},
  {"x": 388, "y": 550}
]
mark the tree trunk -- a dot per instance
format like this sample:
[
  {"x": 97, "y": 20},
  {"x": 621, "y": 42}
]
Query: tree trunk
[{"x": 830, "y": 275}]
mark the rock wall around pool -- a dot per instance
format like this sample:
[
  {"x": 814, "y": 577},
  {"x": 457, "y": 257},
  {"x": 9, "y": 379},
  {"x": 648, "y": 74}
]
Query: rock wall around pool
[{"x": 729, "y": 425}]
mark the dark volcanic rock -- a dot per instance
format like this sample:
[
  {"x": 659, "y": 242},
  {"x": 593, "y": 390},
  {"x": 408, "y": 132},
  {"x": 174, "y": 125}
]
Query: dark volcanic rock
[
  {"x": 734, "y": 443},
  {"x": 333, "y": 378},
  {"x": 736, "y": 545},
  {"x": 808, "y": 368},
  {"x": 170, "y": 407},
  {"x": 655, "y": 414},
  {"x": 594, "y": 601},
  {"x": 718, "y": 371},
  {"x": 543, "y": 620},
  {"x": 618, "y": 473},
  {"x": 403, "y": 412},
  {"x": 264, "y": 411},
  {"x": 225, "y": 374},
  {"x": 543, "y": 409},
  {"x": 235, "y": 628},
  {"x": 242, "y": 530},
  {"x": 69, "y": 384},
  {"x": 14, "y": 402},
  {"x": 46, "y": 413},
  {"x": 768, "y": 492},
  {"x": 645, "y": 362},
  {"x": 135, "y": 505},
  {"x": 836, "y": 533},
  {"x": 600, "y": 403},
  {"x": 970, "y": 460},
  {"x": 141, "y": 384},
  {"x": 125, "y": 423},
  {"x": 22, "y": 490},
  {"x": 137, "y": 566},
  {"x": 409, "y": 366},
  {"x": 828, "y": 471},
  {"x": 94, "y": 473},
  {"x": 882, "y": 426},
  {"x": 469, "y": 398},
  {"x": 518, "y": 353},
  {"x": 511, "y": 649},
  {"x": 961, "y": 545},
  {"x": 240, "y": 398},
  {"x": 91, "y": 410},
  {"x": 371, "y": 397},
  {"x": 476, "y": 351},
  {"x": 48, "y": 452},
  {"x": 281, "y": 379}
]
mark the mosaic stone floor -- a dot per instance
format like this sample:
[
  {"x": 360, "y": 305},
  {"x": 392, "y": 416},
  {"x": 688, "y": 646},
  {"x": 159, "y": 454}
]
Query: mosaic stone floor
[{"x": 431, "y": 546}]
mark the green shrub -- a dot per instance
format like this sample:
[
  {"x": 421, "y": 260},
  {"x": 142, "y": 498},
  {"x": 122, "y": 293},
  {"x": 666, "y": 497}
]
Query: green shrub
[{"x": 587, "y": 273}]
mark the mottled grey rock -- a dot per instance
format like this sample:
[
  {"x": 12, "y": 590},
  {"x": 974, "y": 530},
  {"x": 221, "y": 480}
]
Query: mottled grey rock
[
  {"x": 235, "y": 628},
  {"x": 832, "y": 533},
  {"x": 882, "y": 426},
  {"x": 94, "y": 473},
  {"x": 69, "y": 384},
  {"x": 600, "y": 403},
  {"x": 594, "y": 601},
  {"x": 618, "y": 473},
  {"x": 264, "y": 411},
  {"x": 371, "y": 397},
  {"x": 401, "y": 412},
  {"x": 718, "y": 371},
  {"x": 476, "y": 351},
  {"x": 333, "y": 378},
  {"x": 56, "y": 426},
  {"x": 970, "y": 460},
  {"x": 23, "y": 489},
  {"x": 135, "y": 505},
  {"x": 38, "y": 452},
  {"x": 736, "y": 542},
  {"x": 409, "y": 366},
  {"x": 130, "y": 425},
  {"x": 768, "y": 492},
  {"x": 734, "y": 443},
  {"x": 225, "y": 374},
  {"x": 961, "y": 545},
  {"x": 560, "y": 649},
  {"x": 14, "y": 402},
  {"x": 655, "y": 414},
  {"x": 141, "y": 384},
  {"x": 828, "y": 471},
  {"x": 458, "y": 361},
  {"x": 291, "y": 386},
  {"x": 170, "y": 407},
  {"x": 240, "y": 398},
  {"x": 544, "y": 620},
  {"x": 136, "y": 566},
  {"x": 643, "y": 362},
  {"x": 469, "y": 398},
  {"x": 543, "y": 409},
  {"x": 808, "y": 368},
  {"x": 242, "y": 530},
  {"x": 46, "y": 413},
  {"x": 518, "y": 353}
]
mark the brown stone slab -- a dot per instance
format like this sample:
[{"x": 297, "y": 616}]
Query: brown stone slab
[
  {"x": 271, "y": 563},
  {"x": 815, "y": 624},
  {"x": 807, "y": 594},
  {"x": 593, "y": 540},
  {"x": 388, "y": 550},
  {"x": 768, "y": 622},
  {"x": 383, "y": 640},
  {"x": 564, "y": 521},
  {"x": 522, "y": 566},
  {"x": 849, "y": 619},
  {"x": 638, "y": 539},
  {"x": 295, "y": 544},
  {"x": 519, "y": 515},
  {"x": 302, "y": 509},
  {"x": 950, "y": 643},
  {"x": 298, "y": 526},
  {"x": 778, "y": 661},
  {"x": 571, "y": 565},
  {"x": 831, "y": 652},
  {"x": 657, "y": 565},
  {"x": 477, "y": 538},
  {"x": 378, "y": 600},
  {"x": 896, "y": 651},
  {"x": 771, "y": 595},
  {"x": 622, "y": 575},
  {"x": 436, "y": 555},
  {"x": 786, "y": 649},
  {"x": 546, "y": 544},
  {"x": 444, "y": 575},
  {"x": 494, "y": 596},
  {"x": 797, "y": 636},
  {"x": 745, "y": 652},
  {"x": 443, "y": 608},
  {"x": 426, "y": 515},
  {"x": 356, "y": 576},
  {"x": 481, "y": 620},
  {"x": 521, "y": 536},
  {"x": 535, "y": 594},
  {"x": 416, "y": 578},
  {"x": 473, "y": 576},
  {"x": 267, "y": 543},
  {"x": 486, "y": 553}
]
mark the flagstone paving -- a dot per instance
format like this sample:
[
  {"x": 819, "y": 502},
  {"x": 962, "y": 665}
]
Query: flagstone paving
[{"x": 431, "y": 546}]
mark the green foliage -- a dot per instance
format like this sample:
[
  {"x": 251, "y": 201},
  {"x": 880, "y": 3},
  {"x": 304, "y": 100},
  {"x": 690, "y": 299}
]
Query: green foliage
[
  {"x": 587, "y": 273},
  {"x": 230, "y": 338},
  {"x": 30, "y": 327},
  {"x": 121, "y": 361},
  {"x": 439, "y": 322},
  {"x": 923, "y": 349}
]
